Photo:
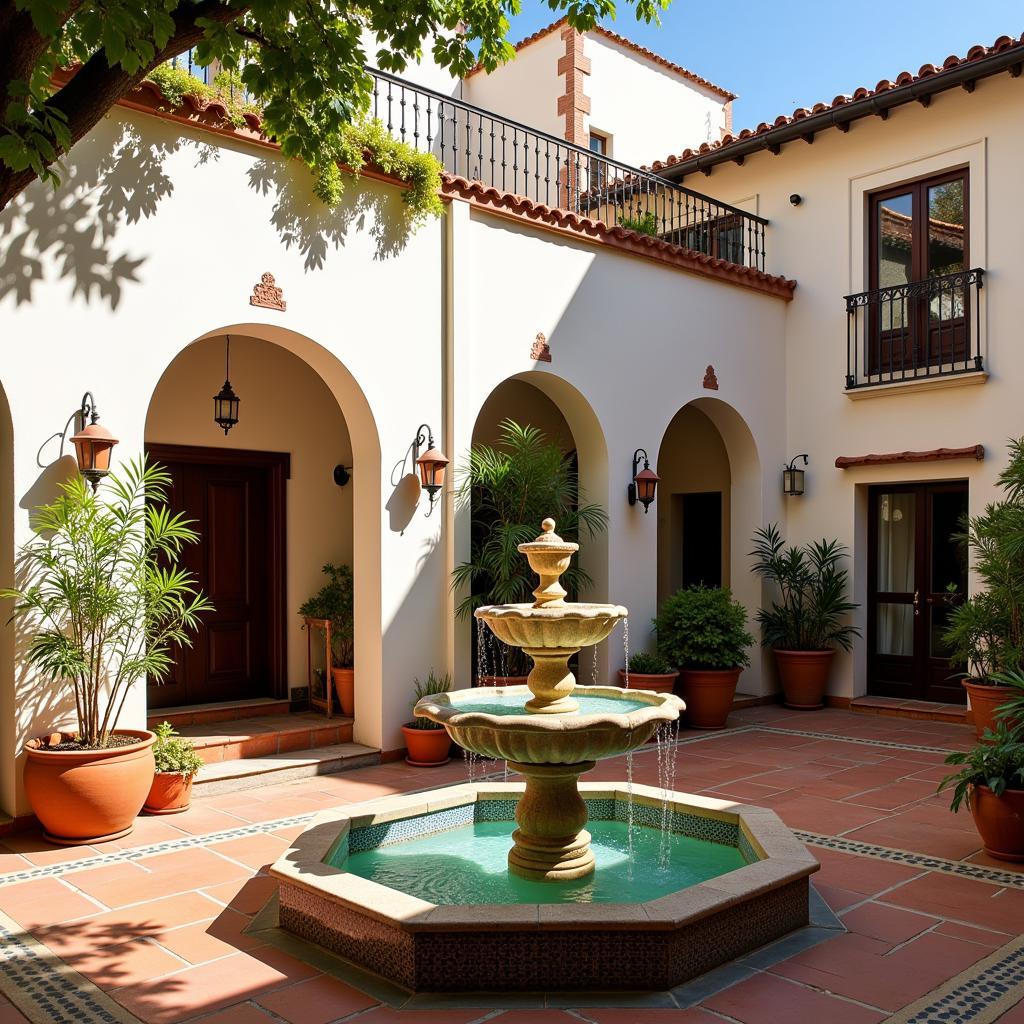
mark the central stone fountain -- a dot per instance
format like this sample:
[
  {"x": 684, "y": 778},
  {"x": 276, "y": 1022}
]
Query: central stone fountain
[{"x": 549, "y": 738}]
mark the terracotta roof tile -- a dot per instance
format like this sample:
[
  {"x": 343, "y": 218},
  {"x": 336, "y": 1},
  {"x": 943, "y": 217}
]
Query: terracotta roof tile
[
  {"x": 975, "y": 53},
  {"x": 626, "y": 44}
]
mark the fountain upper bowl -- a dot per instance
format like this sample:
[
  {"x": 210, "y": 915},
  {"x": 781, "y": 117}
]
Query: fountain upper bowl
[
  {"x": 554, "y": 626},
  {"x": 570, "y": 738}
]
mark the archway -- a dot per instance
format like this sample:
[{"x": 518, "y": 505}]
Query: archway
[{"x": 273, "y": 513}]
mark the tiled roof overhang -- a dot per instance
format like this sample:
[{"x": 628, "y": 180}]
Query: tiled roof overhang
[{"x": 1005, "y": 54}]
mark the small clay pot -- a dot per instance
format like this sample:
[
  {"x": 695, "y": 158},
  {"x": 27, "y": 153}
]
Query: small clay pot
[
  {"x": 986, "y": 699},
  {"x": 501, "y": 680},
  {"x": 345, "y": 689},
  {"x": 1000, "y": 822},
  {"x": 708, "y": 695},
  {"x": 90, "y": 796},
  {"x": 426, "y": 748},
  {"x": 171, "y": 793},
  {"x": 804, "y": 677},
  {"x": 659, "y": 682}
]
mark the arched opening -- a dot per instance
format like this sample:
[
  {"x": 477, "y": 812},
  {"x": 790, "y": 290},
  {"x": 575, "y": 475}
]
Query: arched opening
[
  {"x": 543, "y": 400},
  {"x": 710, "y": 502},
  {"x": 270, "y": 512}
]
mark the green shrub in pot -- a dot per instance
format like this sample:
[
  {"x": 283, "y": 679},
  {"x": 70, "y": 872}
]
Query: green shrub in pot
[{"x": 427, "y": 743}]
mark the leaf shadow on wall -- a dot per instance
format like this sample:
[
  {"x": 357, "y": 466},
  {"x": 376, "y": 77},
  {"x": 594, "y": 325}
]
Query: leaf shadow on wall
[
  {"x": 305, "y": 222},
  {"x": 73, "y": 230}
]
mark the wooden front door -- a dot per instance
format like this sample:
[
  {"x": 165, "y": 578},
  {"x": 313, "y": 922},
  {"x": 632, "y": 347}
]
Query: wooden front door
[
  {"x": 913, "y": 560},
  {"x": 236, "y": 499}
]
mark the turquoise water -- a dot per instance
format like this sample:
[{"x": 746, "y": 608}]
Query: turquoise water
[
  {"x": 470, "y": 865},
  {"x": 514, "y": 704}
]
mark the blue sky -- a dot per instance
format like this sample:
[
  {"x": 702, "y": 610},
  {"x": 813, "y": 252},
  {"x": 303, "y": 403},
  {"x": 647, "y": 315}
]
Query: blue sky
[{"x": 781, "y": 54}]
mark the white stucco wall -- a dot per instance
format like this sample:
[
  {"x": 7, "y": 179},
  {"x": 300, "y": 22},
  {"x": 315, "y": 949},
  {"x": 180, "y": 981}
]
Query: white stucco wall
[{"x": 648, "y": 111}]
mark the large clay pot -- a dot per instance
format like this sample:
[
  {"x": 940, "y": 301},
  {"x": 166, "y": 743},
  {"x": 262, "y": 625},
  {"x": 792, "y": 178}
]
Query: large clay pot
[
  {"x": 345, "y": 689},
  {"x": 426, "y": 748},
  {"x": 1000, "y": 821},
  {"x": 90, "y": 796},
  {"x": 804, "y": 677},
  {"x": 708, "y": 695},
  {"x": 986, "y": 699},
  {"x": 501, "y": 680},
  {"x": 660, "y": 682},
  {"x": 171, "y": 793}
]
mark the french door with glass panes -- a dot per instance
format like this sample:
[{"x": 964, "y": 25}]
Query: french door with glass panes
[{"x": 915, "y": 558}]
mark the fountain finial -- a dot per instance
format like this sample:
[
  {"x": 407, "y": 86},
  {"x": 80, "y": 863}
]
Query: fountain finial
[{"x": 549, "y": 557}]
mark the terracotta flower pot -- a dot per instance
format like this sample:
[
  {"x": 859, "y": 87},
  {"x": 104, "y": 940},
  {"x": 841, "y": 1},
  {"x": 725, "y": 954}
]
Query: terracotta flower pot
[
  {"x": 426, "y": 748},
  {"x": 501, "y": 680},
  {"x": 986, "y": 699},
  {"x": 90, "y": 796},
  {"x": 804, "y": 677},
  {"x": 171, "y": 793},
  {"x": 660, "y": 682},
  {"x": 345, "y": 689},
  {"x": 708, "y": 695},
  {"x": 1000, "y": 821}
]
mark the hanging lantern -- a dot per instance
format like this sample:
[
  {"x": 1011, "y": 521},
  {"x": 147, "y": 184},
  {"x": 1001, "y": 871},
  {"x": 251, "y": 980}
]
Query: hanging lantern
[
  {"x": 645, "y": 482},
  {"x": 431, "y": 464},
  {"x": 93, "y": 443},
  {"x": 793, "y": 478},
  {"x": 225, "y": 402}
]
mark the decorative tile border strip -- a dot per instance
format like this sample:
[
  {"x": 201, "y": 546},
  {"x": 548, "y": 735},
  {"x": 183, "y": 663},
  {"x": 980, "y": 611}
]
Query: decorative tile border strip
[
  {"x": 862, "y": 740},
  {"x": 962, "y": 868},
  {"x": 45, "y": 989},
  {"x": 981, "y": 994}
]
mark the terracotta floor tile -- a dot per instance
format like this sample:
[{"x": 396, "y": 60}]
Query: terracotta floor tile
[
  {"x": 535, "y": 1017},
  {"x": 836, "y": 897},
  {"x": 148, "y": 830},
  {"x": 253, "y": 851},
  {"x": 386, "y": 1015},
  {"x": 212, "y": 986},
  {"x": 985, "y": 936},
  {"x": 243, "y": 1013},
  {"x": 1015, "y": 1015},
  {"x": 125, "y": 963},
  {"x": 816, "y": 814},
  {"x": 962, "y": 899},
  {"x": 10, "y": 1014},
  {"x": 200, "y": 819},
  {"x": 316, "y": 1001},
  {"x": 652, "y": 1016},
  {"x": 769, "y": 1000},
  {"x": 43, "y": 901},
  {"x": 896, "y": 795},
  {"x": 37, "y": 851},
  {"x": 886, "y": 923},
  {"x": 207, "y": 940},
  {"x": 919, "y": 838},
  {"x": 247, "y": 897},
  {"x": 10, "y": 861},
  {"x": 864, "y": 875},
  {"x": 109, "y": 882}
]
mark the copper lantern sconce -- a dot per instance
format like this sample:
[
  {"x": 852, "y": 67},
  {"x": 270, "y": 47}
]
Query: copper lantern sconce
[
  {"x": 93, "y": 443},
  {"x": 430, "y": 465},
  {"x": 644, "y": 483}
]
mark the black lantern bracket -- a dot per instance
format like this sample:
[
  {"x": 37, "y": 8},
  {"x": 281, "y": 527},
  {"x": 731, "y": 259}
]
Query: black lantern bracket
[
  {"x": 644, "y": 482},
  {"x": 793, "y": 478}
]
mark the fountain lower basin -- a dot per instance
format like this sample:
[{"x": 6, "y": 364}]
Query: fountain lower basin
[{"x": 753, "y": 891}]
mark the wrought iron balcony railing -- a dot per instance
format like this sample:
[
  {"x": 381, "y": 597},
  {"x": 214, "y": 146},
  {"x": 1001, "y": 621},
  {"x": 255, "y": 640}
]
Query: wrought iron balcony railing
[
  {"x": 486, "y": 147},
  {"x": 929, "y": 328}
]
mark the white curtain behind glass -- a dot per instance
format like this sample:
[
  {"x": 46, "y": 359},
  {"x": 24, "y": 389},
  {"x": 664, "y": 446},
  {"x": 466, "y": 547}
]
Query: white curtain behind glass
[{"x": 896, "y": 521}]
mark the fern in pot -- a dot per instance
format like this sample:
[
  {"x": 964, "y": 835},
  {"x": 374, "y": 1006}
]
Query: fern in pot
[
  {"x": 177, "y": 763},
  {"x": 427, "y": 743},
  {"x": 809, "y": 619},
  {"x": 703, "y": 632}
]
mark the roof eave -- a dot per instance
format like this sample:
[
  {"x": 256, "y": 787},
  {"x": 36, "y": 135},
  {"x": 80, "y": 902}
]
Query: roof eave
[{"x": 879, "y": 104}]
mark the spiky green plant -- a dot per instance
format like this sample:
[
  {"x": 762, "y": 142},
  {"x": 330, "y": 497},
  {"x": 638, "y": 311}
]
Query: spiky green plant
[{"x": 103, "y": 595}]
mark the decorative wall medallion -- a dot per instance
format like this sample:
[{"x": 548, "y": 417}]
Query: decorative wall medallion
[
  {"x": 541, "y": 351},
  {"x": 710, "y": 380},
  {"x": 267, "y": 294}
]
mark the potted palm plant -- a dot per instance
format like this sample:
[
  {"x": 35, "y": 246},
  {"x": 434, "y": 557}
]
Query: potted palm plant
[
  {"x": 703, "y": 632},
  {"x": 508, "y": 488},
  {"x": 427, "y": 743},
  {"x": 991, "y": 782},
  {"x": 177, "y": 764},
  {"x": 805, "y": 626},
  {"x": 985, "y": 632},
  {"x": 103, "y": 600},
  {"x": 334, "y": 602},
  {"x": 645, "y": 671}
]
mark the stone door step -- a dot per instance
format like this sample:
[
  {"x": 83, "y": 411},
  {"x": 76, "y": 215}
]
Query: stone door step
[
  {"x": 200, "y": 714},
  {"x": 266, "y": 735},
  {"x": 920, "y": 710},
  {"x": 252, "y": 772}
]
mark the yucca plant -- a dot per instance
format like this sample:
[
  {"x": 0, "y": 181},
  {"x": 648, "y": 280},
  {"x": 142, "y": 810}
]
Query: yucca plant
[
  {"x": 510, "y": 488},
  {"x": 103, "y": 595},
  {"x": 812, "y": 585}
]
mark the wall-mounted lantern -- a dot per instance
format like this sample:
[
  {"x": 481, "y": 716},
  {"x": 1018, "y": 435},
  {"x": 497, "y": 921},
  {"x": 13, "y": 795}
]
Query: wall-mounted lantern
[
  {"x": 430, "y": 465},
  {"x": 93, "y": 443},
  {"x": 225, "y": 402},
  {"x": 342, "y": 475},
  {"x": 793, "y": 478},
  {"x": 644, "y": 483}
]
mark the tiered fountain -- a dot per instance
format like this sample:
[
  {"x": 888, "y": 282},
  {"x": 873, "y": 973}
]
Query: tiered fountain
[{"x": 409, "y": 888}]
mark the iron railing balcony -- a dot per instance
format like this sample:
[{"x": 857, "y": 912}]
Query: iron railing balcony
[
  {"x": 929, "y": 328},
  {"x": 483, "y": 146}
]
